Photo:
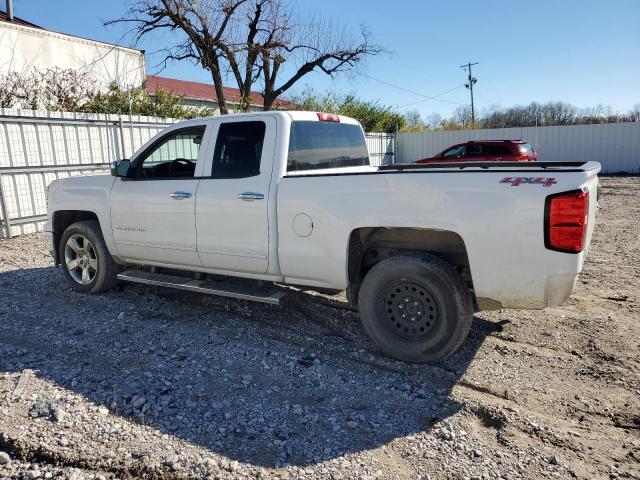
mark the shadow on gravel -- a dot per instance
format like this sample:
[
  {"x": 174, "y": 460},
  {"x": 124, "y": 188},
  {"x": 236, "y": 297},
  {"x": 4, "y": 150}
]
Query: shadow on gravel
[{"x": 270, "y": 386}]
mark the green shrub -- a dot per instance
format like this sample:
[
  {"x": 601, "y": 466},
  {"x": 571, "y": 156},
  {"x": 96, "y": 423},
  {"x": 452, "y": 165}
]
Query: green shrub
[
  {"x": 137, "y": 101},
  {"x": 373, "y": 116}
]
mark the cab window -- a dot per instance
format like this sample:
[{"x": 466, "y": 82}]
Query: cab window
[
  {"x": 238, "y": 150},
  {"x": 175, "y": 156}
]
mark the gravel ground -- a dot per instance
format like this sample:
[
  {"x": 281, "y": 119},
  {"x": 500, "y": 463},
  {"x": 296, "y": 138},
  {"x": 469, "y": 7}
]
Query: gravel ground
[{"x": 144, "y": 382}]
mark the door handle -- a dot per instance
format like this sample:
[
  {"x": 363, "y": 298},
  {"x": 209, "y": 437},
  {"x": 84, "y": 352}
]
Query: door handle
[
  {"x": 250, "y": 196},
  {"x": 180, "y": 195}
]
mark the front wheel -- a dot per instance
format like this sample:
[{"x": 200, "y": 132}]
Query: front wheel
[
  {"x": 416, "y": 309},
  {"x": 87, "y": 265}
]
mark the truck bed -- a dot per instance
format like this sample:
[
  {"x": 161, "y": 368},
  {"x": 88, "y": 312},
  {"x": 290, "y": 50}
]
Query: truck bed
[
  {"x": 496, "y": 208},
  {"x": 571, "y": 166}
]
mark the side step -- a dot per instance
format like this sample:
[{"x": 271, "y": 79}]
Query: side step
[{"x": 230, "y": 287}]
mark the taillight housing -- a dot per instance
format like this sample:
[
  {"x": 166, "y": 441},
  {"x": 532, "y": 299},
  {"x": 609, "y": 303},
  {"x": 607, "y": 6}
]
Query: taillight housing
[
  {"x": 565, "y": 221},
  {"x": 328, "y": 117}
]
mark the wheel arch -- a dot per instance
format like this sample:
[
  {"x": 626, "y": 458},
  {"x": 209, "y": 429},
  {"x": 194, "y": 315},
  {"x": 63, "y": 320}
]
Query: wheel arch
[
  {"x": 61, "y": 220},
  {"x": 369, "y": 245}
]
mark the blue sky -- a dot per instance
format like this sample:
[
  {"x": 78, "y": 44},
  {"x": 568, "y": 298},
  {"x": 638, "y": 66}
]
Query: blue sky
[{"x": 583, "y": 52}]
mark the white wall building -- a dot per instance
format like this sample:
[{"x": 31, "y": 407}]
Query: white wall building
[{"x": 25, "y": 47}]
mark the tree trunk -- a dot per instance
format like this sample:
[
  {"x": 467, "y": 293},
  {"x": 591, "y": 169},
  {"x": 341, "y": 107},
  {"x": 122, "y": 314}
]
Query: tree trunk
[
  {"x": 222, "y": 103},
  {"x": 217, "y": 84},
  {"x": 267, "y": 103}
]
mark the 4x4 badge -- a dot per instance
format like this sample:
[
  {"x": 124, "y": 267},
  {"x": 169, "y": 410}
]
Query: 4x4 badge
[{"x": 517, "y": 181}]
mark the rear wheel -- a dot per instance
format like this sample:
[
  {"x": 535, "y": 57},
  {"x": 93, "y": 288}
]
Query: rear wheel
[
  {"x": 87, "y": 265},
  {"x": 416, "y": 309}
]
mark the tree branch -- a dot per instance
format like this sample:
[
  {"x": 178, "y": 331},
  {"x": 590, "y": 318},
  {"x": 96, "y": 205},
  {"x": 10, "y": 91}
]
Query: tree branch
[{"x": 248, "y": 39}]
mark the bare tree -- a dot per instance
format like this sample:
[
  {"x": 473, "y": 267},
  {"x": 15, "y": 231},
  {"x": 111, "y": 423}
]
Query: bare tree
[
  {"x": 13, "y": 89},
  {"x": 305, "y": 46},
  {"x": 51, "y": 89},
  {"x": 634, "y": 114},
  {"x": 204, "y": 25},
  {"x": 433, "y": 121},
  {"x": 251, "y": 40},
  {"x": 541, "y": 114},
  {"x": 462, "y": 116},
  {"x": 65, "y": 89},
  {"x": 559, "y": 113},
  {"x": 414, "y": 121}
]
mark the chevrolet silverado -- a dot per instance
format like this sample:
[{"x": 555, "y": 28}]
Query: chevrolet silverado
[{"x": 244, "y": 205}]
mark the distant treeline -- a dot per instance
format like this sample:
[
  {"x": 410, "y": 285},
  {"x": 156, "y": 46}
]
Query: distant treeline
[
  {"x": 68, "y": 90},
  {"x": 532, "y": 115}
]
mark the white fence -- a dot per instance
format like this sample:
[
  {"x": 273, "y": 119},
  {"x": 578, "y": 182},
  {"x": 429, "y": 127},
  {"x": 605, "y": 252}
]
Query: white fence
[
  {"x": 615, "y": 145},
  {"x": 39, "y": 147},
  {"x": 382, "y": 147}
]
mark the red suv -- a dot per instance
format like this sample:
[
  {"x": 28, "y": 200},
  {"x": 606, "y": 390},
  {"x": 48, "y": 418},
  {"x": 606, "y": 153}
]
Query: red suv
[{"x": 486, "y": 151}]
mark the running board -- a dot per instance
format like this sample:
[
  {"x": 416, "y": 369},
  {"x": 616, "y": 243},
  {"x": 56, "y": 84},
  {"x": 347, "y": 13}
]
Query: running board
[{"x": 229, "y": 287}]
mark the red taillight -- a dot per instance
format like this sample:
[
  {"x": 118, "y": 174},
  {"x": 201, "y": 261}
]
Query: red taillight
[
  {"x": 328, "y": 117},
  {"x": 566, "y": 216}
]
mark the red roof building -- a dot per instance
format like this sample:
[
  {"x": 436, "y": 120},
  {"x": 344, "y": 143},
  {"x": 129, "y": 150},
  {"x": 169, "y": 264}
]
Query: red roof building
[
  {"x": 195, "y": 94},
  {"x": 204, "y": 94},
  {"x": 18, "y": 21}
]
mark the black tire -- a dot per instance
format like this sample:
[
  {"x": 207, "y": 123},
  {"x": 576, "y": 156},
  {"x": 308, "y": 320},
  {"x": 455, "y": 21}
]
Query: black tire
[
  {"x": 103, "y": 272},
  {"x": 436, "y": 312},
  {"x": 352, "y": 295}
]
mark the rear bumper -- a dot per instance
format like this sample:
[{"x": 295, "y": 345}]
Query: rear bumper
[
  {"x": 558, "y": 288},
  {"x": 549, "y": 291}
]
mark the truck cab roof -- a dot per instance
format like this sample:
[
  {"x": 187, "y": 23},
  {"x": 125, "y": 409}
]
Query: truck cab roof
[{"x": 293, "y": 115}]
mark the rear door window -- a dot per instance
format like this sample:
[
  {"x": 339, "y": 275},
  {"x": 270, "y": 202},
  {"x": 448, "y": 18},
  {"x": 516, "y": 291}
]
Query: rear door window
[
  {"x": 238, "y": 150},
  {"x": 316, "y": 145}
]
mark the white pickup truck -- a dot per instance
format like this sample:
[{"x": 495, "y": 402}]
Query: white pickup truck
[{"x": 289, "y": 198}]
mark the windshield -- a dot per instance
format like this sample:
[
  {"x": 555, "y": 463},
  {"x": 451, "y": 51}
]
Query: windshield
[{"x": 453, "y": 152}]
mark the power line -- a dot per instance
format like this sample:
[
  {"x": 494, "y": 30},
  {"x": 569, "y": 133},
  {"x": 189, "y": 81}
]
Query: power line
[
  {"x": 426, "y": 97},
  {"x": 435, "y": 97},
  {"x": 472, "y": 81}
]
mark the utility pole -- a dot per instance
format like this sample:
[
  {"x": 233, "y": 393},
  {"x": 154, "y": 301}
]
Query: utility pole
[
  {"x": 10, "y": 10},
  {"x": 472, "y": 81}
]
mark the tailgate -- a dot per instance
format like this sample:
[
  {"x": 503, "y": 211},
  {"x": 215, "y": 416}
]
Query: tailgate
[{"x": 592, "y": 184}]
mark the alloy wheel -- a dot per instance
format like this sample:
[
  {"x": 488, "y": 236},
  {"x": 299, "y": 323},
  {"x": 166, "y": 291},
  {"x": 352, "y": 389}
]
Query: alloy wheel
[{"x": 81, "y": 259}]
